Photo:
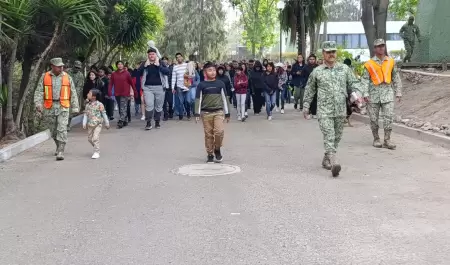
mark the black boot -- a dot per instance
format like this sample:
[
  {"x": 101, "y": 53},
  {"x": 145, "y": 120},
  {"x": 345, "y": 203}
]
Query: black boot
[
  {"x": 60, "y": 155},
  {"x": 148, "y": 127},
  {"x": 157, "y": 125}
]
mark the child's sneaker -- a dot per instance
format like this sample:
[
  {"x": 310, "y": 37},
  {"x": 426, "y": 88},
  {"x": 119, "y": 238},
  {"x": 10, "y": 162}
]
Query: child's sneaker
[
  {"x": 95, "y": 155},
  {"x": 218, "y": 155},
  {"x": 210, "y": 159},
  {"x": 143, "y": 117},
  {"x": 239, "y": 118},
  {"x": 276, "y": 109}
]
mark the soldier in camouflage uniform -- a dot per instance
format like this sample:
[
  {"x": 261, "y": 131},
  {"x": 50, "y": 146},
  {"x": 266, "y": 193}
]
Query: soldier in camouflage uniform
[
  {"x": 333, "y": 82},
  {"x": 383, "y": 83},
  {"x": 78, "y": 79},
  {"x": 55, "y": 95},
  {"x": 408, "y": 32}
]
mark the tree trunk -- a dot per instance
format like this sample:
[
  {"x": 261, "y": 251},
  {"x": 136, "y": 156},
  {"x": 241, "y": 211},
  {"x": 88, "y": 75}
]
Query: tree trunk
[
  {"x": 10, "y": 129},
  {"x": 380, "y": 11},
  {"x": 368, "y": 22},
  {"x": 254, "y": 50},
  {"x": 317, "y": 38},
  {"x": 302, "y": 31},
  {"x": 34, "y": 73}
]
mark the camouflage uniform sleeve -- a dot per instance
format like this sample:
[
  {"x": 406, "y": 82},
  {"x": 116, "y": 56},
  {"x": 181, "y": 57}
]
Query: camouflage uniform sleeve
[
  {"x": 396, "y": 82},
  {"x": 355, "y": 85},
  {"x": 365, "y": 82},
  {"x": 417, "y": 30},
  {"x": 402, "y": 32},
  {"x": 310, "y": 90},
  {"x": 73, "y": 97},
  {"x": 39, "y": 92}
]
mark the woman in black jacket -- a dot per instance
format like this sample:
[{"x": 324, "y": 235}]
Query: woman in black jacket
[
  {"x": 257, "y": 86},
  {"x": 271, "y": 86},
  {"x": 93, "y": 82}
]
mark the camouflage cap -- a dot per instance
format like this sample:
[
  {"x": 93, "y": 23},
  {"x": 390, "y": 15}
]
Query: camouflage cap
[
  {"x": 379, "y": 42},
  {"x": 57, "y": 62},
  {"x": 329, "y": 46},
  {"x": 77, "y": 64}
]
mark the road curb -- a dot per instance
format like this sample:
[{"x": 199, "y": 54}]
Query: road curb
[
  {"x": 29, "y": 142},
  {"x": 414, "y": 133}
]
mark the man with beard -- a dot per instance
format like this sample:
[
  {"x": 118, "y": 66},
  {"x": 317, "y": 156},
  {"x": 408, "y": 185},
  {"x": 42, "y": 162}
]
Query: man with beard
[{"x": 332, "y": 82}]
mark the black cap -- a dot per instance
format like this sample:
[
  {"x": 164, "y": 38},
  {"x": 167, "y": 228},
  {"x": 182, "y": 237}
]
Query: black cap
[
  {"x": 151, "y": 50},
  {"x": 208, "y": 65}
]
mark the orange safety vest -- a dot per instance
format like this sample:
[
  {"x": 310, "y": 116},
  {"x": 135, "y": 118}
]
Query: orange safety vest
[
  {"x": 380, "y": 73},
  {"x": 64, "y": 97}
]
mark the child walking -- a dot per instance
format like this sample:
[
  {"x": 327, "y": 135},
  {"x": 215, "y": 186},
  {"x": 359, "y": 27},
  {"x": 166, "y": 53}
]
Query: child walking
[
  {"x": 211, "y": 105},
  {"x": 241, "y": 88},
  {"x": 94, "y": 116}
]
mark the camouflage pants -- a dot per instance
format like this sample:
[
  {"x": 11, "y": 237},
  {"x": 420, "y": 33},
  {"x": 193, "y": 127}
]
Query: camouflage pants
[
  {"x": 387, "y": 110},
  {"x": 57, "y": 124},
  {"x": 409, "y": 47},
  {"x": 122, "y": 102},
  {"x": 94, "y": 137},
  {"x": 332, "y": 129}
]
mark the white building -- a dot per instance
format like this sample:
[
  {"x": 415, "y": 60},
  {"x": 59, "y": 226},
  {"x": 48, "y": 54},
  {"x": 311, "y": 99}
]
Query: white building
[{"x": 351, "y": 36}]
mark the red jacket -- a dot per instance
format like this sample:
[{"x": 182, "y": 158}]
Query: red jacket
[
  {"x": 122, "y": 81},
  {"x": 240, "y": 84}
]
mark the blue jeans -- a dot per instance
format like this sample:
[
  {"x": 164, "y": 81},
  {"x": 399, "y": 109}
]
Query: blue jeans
[
  {"x": 185, "y": 102},
  {"x": 192, "y": 92},
  {"x": 270, "y": 102}
]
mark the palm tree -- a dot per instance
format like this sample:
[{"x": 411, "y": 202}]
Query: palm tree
[{"x": 300, "y": 17}]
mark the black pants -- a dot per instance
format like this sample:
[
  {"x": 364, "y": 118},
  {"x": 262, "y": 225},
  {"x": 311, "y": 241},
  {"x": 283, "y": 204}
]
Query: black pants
[
  {"x": 313, "y": 106},
  {"x": 258, "y": 101},
  {"x": 168, "y": 104},
  {"x": 109, "y": 107},
  {"x": 129, "y": 109},
  {"x": 248, "y": 100}
]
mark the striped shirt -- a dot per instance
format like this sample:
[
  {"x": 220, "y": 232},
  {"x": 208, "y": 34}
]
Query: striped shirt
[{"x": 178, "y": 76}]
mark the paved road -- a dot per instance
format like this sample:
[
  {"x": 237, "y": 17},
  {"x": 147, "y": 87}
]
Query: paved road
[{"x": 388, "y": 207}]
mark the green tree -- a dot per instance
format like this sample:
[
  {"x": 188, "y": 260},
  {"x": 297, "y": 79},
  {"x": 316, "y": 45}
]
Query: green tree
[
  {"x": 300, "y": 17},
  {"x": 403, "y": 8},
  {"x": 259, "y": 19}
]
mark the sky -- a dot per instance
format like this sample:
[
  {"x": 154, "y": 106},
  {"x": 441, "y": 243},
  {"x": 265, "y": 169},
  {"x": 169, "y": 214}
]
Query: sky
[{"x": 232, "y": 14}]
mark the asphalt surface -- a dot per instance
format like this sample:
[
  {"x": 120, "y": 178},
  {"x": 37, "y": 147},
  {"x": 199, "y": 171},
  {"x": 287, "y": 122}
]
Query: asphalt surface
[{"x": 387, "y": 207}]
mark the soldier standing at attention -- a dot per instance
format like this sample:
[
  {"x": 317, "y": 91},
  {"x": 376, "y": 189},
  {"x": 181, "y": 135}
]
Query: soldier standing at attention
[
  {"x": 383, "y": 82},
  {"x": 78, "y": 80},
  {"x": 54, "y": 97},
  {"x": 333, "y": 82},
  {"x": 408, "y": 32}
]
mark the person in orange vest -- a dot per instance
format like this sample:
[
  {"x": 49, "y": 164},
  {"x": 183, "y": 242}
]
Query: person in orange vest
[
  {"x": 383, "y": 82},
  {"x": 55, "y": 95}
]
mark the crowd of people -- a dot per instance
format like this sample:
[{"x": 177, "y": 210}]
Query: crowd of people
[{"x": 164, "y": 89}]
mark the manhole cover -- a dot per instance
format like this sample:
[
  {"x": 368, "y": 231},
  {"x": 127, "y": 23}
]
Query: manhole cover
[{"x": 207, "y": 170}]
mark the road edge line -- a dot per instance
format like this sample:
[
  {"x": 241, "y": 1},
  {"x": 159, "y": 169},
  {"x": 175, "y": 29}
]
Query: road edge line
[{"x": 414, "y": 133}]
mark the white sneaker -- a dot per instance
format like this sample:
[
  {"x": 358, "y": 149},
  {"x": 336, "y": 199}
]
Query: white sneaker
[
  {"x": 239, "y": 118},
  {"x": 269, "y": 118},
  {"x": 246, "y": 114},
  {"x": 95, "y": 155},
  {"x": 314, "y": 116},
  {"x": 282, "y": 111},
  {"x": 276, "y": 109},
  {"x": 143, "y": 118}
]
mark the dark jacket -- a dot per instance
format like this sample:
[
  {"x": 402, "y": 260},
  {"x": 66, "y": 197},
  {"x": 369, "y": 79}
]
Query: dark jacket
[
  {"x": 225, "y": 79},
  {"x": 298, "y": 79},
  {"x": 97, "y": 84},
  {"x": 271, "y": 80},
  {"x": 256, "y": 80}
]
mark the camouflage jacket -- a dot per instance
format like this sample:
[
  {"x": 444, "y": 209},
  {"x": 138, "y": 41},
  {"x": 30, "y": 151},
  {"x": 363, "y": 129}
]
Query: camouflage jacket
[
  {"x": 78, "y": 79},
  {"x": 382, "y": 93},
  {"x": 409, "y": 32},
  {"x": 332, "y": 85},
  {"x": 56, "y": 89}
]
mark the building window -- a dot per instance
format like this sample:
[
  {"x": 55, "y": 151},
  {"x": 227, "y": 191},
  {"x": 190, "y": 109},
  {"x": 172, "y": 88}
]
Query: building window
[
  {"x": 363, "y": 41},
  {"x": 393, "y": 36}
]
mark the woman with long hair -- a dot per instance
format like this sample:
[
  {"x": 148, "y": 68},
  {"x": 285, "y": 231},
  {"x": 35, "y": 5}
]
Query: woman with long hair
[
  {"x": 271, "y": 87},
  {"x": 92, "y": 82},
  {"x": 282, "y": 85}
]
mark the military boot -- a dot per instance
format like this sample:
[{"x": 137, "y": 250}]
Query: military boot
[
  {"x": 376, "y": 139},
  {"x": 387, "y": 140},
  {"x": 326, "y": 162},
  {"x": 60, "y": 155},
  {"x": 57, "y": 148},
  {"x": 335, "y": 166}
]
